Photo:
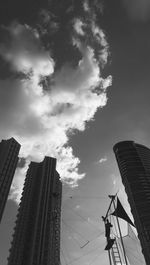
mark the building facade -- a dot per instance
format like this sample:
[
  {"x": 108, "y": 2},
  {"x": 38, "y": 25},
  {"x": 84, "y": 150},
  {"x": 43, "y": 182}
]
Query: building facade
[
  {"x": 36, "y": 239},
  {"x": 9, "y": 150},
  {"x": 134, "y": 164}
]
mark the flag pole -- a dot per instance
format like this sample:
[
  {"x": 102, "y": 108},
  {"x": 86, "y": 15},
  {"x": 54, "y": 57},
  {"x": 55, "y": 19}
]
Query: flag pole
[
  {"x": 112, "y": 197},
  {"x": 110, "y": 262},
  {"x": 104, "y": 219}
]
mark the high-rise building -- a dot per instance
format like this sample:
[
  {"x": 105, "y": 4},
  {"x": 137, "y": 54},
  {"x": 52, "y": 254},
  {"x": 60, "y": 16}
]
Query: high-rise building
[
  {"x": 134, "y": 165},
  {"x": 9, "y": 150},
  {"x": 36, "y": 239}
]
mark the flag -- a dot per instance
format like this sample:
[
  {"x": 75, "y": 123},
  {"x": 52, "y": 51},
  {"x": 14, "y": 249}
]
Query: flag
[{"x": 120, "y": 212}]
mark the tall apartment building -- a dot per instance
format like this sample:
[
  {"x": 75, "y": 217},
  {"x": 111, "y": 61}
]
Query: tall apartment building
[
  {"x": 134, "y": 165},
  {"x": 9, "y": 150},
  {"x": 36, "y": 239}
]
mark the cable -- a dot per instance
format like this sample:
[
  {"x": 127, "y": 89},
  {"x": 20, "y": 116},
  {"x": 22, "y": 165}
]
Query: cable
[
  {"x": 88, "y": 241},
  {"x": 81, "y": 236},
  {"x": 93, "y": 239},
  {"x": 64, "y": 201},
  {"x": 73, "y": 236},
  {"x": 115, "y": 228},
  {"x": 83, "y": 218},
  {"x": 64, "y": 256},
  {"x": 82, "y": 256},
  {"x": 88, "y": 197},
  {"x": 114, "y": 223},
  {"x": 134, "y": 255},
  {"x": 94, "y": 259}
]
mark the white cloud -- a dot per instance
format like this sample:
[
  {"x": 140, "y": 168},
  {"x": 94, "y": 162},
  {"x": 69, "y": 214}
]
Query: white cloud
[
  {"x": 86, "y": 6},
  {"x": 102, "y": 160},
  {"x": 25, "y": 52},
  {"x": 41, "y": 120},
  {"x": 17, "y": 185},
  {"x": 101, "y": 39},
  {"x": 138, "y": 9},
  {"x": 78, "y": 26},
  {"x": 77, "y": 207}
]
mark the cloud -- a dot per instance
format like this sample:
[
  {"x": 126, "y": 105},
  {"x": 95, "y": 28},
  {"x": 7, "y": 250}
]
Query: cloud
[
  {"x": 41, "y": 104},
  {"x": 24, "y": 50},
  {"x": 16, "y": 187},
  {"x": 138, "y": 9},
  {"x": 102, "y": 160},
  {"x": 78, "y": 26}
]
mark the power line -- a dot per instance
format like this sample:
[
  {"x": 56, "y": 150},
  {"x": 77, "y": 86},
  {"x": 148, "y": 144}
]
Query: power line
[
  {"x": 83, "y": 218},
  {"x": 73, "y": 236},
  {"x": 94, "y": 259},
  {"x": 65, "y": 255},
  {"x": 93, "y": 239},
  {"x": 66, "y": 263},
  {"x": 87, "y": 197},
  {"x": 74, "y": 230},
  {"x": 82, "y": 256},
  {"x": 64, "y": 200}
]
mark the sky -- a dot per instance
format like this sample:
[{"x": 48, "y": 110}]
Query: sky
[{"x": 74, "y": 80}]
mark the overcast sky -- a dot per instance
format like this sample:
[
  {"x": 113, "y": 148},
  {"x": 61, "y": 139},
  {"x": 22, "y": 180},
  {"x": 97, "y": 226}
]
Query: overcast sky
[{"x": 77, "y": 76}]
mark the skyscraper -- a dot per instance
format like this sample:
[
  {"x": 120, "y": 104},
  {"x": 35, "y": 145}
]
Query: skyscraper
[
  {"x": 9, "y": 150},
  {"x": 134, "y": 165},
  {"x": 36, "y": 239}
]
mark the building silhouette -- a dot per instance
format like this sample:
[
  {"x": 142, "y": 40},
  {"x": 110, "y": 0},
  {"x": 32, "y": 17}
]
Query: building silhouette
[
  {"x": 9, "y": 150},
  {"x": 134, "y": 165},
  {"x": 36, "y": 239}
]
